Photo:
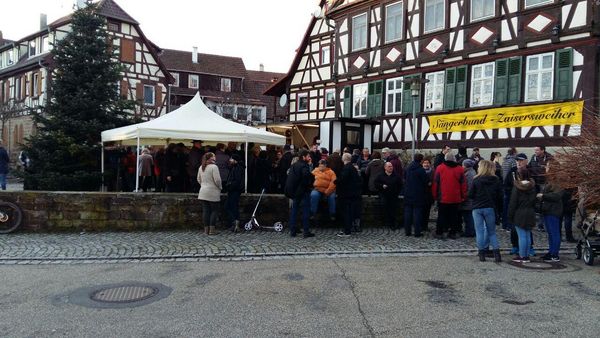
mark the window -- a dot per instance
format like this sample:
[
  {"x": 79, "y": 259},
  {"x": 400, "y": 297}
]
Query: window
[
  {"x": 540, "y": 77},
  {"x": 531, "y": 3},
  {"x": 242, "y": 113},
  {"x": 434, "y": 91},
  {"x": 32, "y": 50},
  {"x": 434, "y": 15},
  {"x": 10, "y": 57},
  {"x": 481, "y": 9},
  {"x": 303, "y": 102},
  {"x": 257, "y": 115},
  {"x": 227, "y": 112},
  {"x": 45, "y": 44},
  {"x": 325, "y": 55},
  {"x": 393, "y": 22},
  {"x": 225, "y": 85},
  {"x": 176, "y": 77},
  {"x": 394, "y": 96},
  {"x": 149, "y": 95},
  {"x": 18, "y": 92},
  {"x": 193, "y": 81},
  {"x": 360, "y": 92},
  {"x": 330, "y": 98},
  {"x": 482, "y": 85},
  {"x": 114, "y": 27},
  {"x": 359, "y": 32}
]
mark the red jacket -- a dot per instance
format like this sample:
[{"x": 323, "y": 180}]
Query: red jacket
[{"x": 449, "y": 183}]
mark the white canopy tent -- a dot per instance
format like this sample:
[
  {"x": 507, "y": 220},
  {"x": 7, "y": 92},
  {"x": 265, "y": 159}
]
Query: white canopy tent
[{"x": 192, "y": 121}]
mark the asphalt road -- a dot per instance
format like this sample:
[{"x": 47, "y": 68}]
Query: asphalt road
[{"x": 438, "y": 296}]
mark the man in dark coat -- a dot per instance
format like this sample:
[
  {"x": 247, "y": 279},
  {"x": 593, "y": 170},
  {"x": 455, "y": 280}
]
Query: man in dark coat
[
  {"x": 348, "y": 189},
  {"x": 4, "y": 159},
  {"x": 298, "y": 187},
  {"x": 439, "y": 158},
  {"x": 234, "y": 185},
  {"x": 389, "y": 185},
  {"x": 415, "y": 196},
  {"x": 284, "y": 164},
  {"x": 194, "y": 159}
]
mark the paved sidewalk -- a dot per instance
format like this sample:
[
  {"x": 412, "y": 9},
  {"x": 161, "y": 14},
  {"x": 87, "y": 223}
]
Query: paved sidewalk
[{"x": 30, "y": 248}]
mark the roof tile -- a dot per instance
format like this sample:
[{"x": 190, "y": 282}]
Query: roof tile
[{"x": 178, "y": 60}]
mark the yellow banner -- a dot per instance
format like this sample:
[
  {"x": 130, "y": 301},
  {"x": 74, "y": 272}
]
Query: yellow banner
[{"x": 551, "y": 114}]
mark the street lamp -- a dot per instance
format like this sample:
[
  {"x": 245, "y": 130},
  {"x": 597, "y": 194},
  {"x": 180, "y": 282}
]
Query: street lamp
[{"x": 415, "y": 91}]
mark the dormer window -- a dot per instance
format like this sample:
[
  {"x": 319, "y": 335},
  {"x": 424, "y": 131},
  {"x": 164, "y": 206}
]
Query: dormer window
[
  {"x": 225, "y": 85},
  {"x": 32, "y": 50},
  {"x": 45, "y": 44}
]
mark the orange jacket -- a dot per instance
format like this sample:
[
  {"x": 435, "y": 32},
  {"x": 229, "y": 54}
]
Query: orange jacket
[{"x": 324, "y": 181}]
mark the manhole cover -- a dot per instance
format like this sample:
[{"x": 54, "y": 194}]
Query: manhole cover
[
  {"x": 124, "y": 294},
  {"x": 538, "y": 265}
]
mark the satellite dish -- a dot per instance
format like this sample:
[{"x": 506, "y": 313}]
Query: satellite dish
[
  {"x": 318, "y": 12},
  {"x": 283, "y": 100}
]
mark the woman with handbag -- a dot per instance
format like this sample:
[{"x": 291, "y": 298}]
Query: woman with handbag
[{"x": 210, "y": 192}]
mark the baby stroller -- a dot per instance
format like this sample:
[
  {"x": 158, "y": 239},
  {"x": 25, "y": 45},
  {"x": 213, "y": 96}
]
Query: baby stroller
[
  {"x": 253, "y": 222},
  {"x": 589, "y": 245}
]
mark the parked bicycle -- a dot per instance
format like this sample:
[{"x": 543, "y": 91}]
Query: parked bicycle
[{"x": 10, "y": 217}]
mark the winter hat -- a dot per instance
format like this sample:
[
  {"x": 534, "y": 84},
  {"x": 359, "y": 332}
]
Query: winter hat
[
  {"x": 521, "y": 156},
  {"x": 450, "y": 157},
  {"x": 468, "y": 163}
]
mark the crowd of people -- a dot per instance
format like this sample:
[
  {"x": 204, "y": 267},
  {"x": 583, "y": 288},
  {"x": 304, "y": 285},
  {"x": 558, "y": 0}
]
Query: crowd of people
[{"x": 472, "y": 195}]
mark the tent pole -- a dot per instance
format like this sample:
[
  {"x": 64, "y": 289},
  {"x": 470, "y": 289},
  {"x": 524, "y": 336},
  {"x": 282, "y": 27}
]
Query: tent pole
[
  {"x": 103, "y": 187},
  {"x": 137, "y": 167},
  {"x": 246, "y": 176}
]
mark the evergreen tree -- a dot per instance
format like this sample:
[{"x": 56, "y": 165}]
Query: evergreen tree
[{"x": 84, "y": 101}]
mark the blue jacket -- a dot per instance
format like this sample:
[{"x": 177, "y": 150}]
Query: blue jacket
[
  {"x": 3, "y": 161},
  {"x": 416, "y": 184}
]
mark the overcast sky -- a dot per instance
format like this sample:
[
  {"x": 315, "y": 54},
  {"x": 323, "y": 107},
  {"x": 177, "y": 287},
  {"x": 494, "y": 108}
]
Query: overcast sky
[{"x": 259, "y": 31}]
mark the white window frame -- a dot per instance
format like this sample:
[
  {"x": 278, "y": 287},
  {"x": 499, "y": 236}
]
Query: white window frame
[
  {"x": 425, "y": 17},
  {"x": 190, "y": 80},
  {"x": 325, "y": 60},
  {"x": 401, "y": 3},
  {"x": 482, "y": 80},
  {"x": 35, "y": 48},
  {"x": 35, "y": 79},
  {"x": 298, "y": 97},
  {"x": 45, "y": 44},
  {"x": 328, "y": 92},
  {"x": 225, "y": 86},
  {"x": 153, "y": 95},
  {"x": 357, "y": 97},
  {"x": 539, "y": 73},
  {"x": 483, "y": 17},
  {"x": 538, "y": 4},
  {"x": 366, "y": 30},
  {"x": 176, "y": 77},
  {"x": 396, "y": 90},
  {"x": 433, "y": 86}
]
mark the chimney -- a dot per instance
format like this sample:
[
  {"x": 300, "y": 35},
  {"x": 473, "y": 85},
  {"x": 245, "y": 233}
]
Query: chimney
[
  {"x": 43, "y": 21},
  {"x": 261, "y": 67},
  {"x": 195, "y": 54}
]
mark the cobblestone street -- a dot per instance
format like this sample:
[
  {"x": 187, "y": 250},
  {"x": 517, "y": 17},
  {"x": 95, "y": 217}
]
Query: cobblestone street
[{"x": 38, "y": 248}]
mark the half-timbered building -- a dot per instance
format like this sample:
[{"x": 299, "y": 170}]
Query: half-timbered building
[
  {"x": 498, "y": 73},
  {"x": 26, "y": 69}
]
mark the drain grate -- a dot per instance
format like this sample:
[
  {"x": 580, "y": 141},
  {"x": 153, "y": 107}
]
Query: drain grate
[
  {"x": 124, "y": 294},
  {"x": 537, "y": 265}
]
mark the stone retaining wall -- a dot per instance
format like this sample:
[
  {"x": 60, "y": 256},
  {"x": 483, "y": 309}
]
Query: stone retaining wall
[{"x": 95, "y": 211}]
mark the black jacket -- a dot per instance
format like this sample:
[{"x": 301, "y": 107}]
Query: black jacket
[
  {"x": 393, "y": 183},
  {"x": 348, "y": 184},
  {"x": 521, "y": 208},
  {"x": 235, "y": 178},
  {"x": 299, "y": 181},
  {"x": 552, "y": 200},
  {"x": 416, "y": 185},
  {"x": 486, "y": 192}
]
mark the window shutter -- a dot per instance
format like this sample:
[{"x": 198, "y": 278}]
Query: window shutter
[
  {"x": 450, "y": 88},
  {"x": 127, "y": 51},
  {"x": 158, "y": 96},
  {"x": 347, "y": 112},
  {"x": 564, "y": 74},
  {"x": 370, "y": 99},
  {"x": 376, "y": 99},
  {"x": 501, "y": 82},
  {"x": 460, "y": 98},
  {"x": 514, "y": 80},
  {"x": 407, "y": 99},
  {"x": 139, "y": 92},
  {"x": 39, "y": 84},
  {"x": 124, "y": 89}
]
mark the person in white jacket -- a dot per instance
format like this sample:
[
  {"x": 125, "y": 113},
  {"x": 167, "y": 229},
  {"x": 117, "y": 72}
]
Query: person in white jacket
[{"x": 210, "y": 192}]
